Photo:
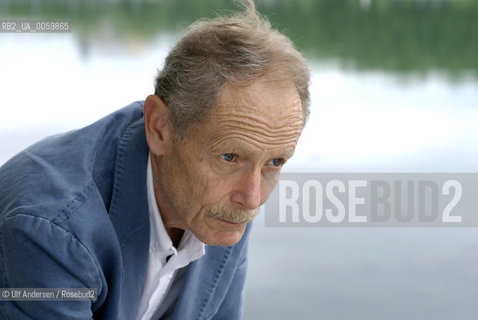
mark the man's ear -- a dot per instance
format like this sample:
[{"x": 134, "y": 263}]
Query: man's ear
[{"x": 157, "y": 124}]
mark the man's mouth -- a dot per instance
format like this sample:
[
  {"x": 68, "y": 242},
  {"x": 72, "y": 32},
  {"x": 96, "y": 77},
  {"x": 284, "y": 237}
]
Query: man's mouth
[{"x": 230, "y": 222}]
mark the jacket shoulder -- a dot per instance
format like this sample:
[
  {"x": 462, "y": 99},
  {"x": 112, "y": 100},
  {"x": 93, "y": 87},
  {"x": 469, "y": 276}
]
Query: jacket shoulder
[{"x": 61, "y": 170}]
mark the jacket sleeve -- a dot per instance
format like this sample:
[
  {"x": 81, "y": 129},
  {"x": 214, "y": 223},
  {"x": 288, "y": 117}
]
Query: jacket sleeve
[
  {"x": 37, "y": 253},
  {"x": 232, "y": 306}
]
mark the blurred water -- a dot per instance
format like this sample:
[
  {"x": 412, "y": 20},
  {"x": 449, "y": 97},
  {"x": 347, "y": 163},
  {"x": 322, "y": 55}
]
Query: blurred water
[{"x": 361, "y": 120}]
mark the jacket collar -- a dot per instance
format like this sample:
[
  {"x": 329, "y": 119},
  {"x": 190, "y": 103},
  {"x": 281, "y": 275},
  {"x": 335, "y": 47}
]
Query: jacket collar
[{"x": 129, "y": 212}]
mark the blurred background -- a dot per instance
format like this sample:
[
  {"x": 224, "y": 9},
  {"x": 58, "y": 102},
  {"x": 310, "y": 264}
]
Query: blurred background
[{"x": 394, "y": 89}]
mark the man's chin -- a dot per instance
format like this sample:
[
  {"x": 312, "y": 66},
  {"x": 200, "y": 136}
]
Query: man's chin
[{"x": 226, "y": 233}]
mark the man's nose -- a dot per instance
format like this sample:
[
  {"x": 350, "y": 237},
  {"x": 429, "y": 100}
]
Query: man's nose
[{"x": 249, "y": 189}]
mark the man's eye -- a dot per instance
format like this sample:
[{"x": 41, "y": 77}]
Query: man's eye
[
  {"x": 228, "y": 157},
  {"x": 277, "y": 162}
]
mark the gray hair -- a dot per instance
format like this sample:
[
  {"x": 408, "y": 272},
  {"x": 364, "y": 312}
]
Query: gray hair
[{"x": 233, "y": 50}]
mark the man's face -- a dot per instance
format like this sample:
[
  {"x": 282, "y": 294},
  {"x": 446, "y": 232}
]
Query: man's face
[{"x": 214, "y": 180}]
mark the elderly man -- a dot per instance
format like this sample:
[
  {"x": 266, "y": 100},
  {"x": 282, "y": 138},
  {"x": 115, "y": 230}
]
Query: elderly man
[{"x": 151, "y": 205}]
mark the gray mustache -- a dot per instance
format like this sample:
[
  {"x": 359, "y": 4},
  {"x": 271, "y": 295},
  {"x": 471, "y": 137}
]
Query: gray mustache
[{"x": 232, "y": 214}]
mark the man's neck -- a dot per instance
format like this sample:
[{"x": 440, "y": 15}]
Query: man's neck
[
  {"x": 176, "y": 235},
  {"x": 174, "y": 227}
]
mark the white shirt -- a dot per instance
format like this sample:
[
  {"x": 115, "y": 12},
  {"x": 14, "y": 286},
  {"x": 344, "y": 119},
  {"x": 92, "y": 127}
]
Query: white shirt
[{"x": 163, "y": 279}]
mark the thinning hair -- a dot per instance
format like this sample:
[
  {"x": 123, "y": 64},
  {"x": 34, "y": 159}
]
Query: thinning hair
[{"x": 237, "y": 50}]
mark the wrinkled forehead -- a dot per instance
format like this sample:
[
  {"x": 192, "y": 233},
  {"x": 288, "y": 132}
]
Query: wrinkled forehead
[
  {"x": 271, "y": 101},
  {"x": 267, "y": 112}
]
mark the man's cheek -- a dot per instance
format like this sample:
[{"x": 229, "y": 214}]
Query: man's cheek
[
  {"x": 270, "y": 182},
  {"x": 267, "y": 191},
  {"x": 202, "y": 182}
]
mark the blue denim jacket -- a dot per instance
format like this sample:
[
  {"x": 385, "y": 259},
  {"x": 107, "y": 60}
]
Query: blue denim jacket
[{"x": 74, "y": 214}]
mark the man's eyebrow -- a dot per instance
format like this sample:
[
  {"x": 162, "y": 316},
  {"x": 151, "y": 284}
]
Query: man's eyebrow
[
  {"x": 236, "y": 145},
  {"x": 287, "y": 152}
]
